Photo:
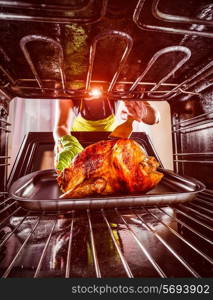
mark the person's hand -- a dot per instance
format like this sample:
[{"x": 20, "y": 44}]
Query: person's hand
[
  {"x": 142, "y": 111},
  {"x": 136, "y": 109}
]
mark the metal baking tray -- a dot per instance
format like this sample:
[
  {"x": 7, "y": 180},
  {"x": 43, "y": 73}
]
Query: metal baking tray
[{"x": 39, "y": 191}]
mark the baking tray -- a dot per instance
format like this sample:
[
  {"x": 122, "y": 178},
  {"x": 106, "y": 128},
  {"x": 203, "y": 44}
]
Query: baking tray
[{"x": 39, "y": 191}]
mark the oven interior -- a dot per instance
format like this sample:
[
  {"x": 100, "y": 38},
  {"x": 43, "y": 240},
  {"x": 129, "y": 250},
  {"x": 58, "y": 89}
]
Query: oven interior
[{"x": 158, "y": 51}]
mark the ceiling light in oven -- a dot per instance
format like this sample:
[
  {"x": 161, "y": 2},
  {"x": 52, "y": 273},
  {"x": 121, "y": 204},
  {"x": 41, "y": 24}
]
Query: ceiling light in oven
[{"x": 95, "y": 92}]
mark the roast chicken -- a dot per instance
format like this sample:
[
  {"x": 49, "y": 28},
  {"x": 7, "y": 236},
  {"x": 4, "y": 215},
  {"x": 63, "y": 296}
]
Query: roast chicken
[{"x": 108, "y": 168}]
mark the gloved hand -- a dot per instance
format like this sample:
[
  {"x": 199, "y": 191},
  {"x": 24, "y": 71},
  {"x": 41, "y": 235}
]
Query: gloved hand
[{"x": 65, "y": 150}]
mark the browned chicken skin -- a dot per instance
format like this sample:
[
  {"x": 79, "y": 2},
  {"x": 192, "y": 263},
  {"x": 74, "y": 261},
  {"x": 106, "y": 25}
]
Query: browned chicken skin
[{"x": 110, "y": 167}]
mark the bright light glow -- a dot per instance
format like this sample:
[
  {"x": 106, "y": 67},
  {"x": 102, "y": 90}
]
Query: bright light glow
[{"x": 95, "y": 93}]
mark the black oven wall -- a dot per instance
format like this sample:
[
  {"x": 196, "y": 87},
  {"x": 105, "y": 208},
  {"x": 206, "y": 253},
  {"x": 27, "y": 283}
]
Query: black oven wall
[{"x": 192, "y": 119}]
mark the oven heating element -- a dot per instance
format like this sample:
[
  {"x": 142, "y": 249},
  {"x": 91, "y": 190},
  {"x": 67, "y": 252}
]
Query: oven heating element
[
  {"x": 53, "y": 10},
  {"x": 131, "y": 94},
  {"x": 169, "y": 18}
]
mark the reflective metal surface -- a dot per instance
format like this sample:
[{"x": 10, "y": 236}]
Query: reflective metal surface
[
  {"x": 39, "y": 191},
  {"x": 133, "y": 242}
]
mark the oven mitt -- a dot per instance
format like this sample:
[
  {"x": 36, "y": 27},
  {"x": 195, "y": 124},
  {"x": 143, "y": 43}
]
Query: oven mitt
[{"x": 70, "y": 148}]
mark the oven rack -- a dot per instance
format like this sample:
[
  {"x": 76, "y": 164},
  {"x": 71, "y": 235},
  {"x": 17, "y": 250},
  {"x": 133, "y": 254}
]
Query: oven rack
[
  {"x": 187, "y": 216},
  {"x": 45, "y": 89}
]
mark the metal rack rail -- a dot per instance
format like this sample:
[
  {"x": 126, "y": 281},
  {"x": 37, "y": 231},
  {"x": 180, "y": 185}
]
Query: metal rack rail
[
  {"x": 184, "y": 127},
  {"x": 4, "y": 157},
  {"x": 200, "y": 75},
  {"x": 193, "y": 230},
  {"x": 5, "y": 72},
  {"x": 196, "y": 119}
]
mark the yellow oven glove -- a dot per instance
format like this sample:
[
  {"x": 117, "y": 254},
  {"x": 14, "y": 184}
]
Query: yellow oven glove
[{"x": 69, "y": 147}]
